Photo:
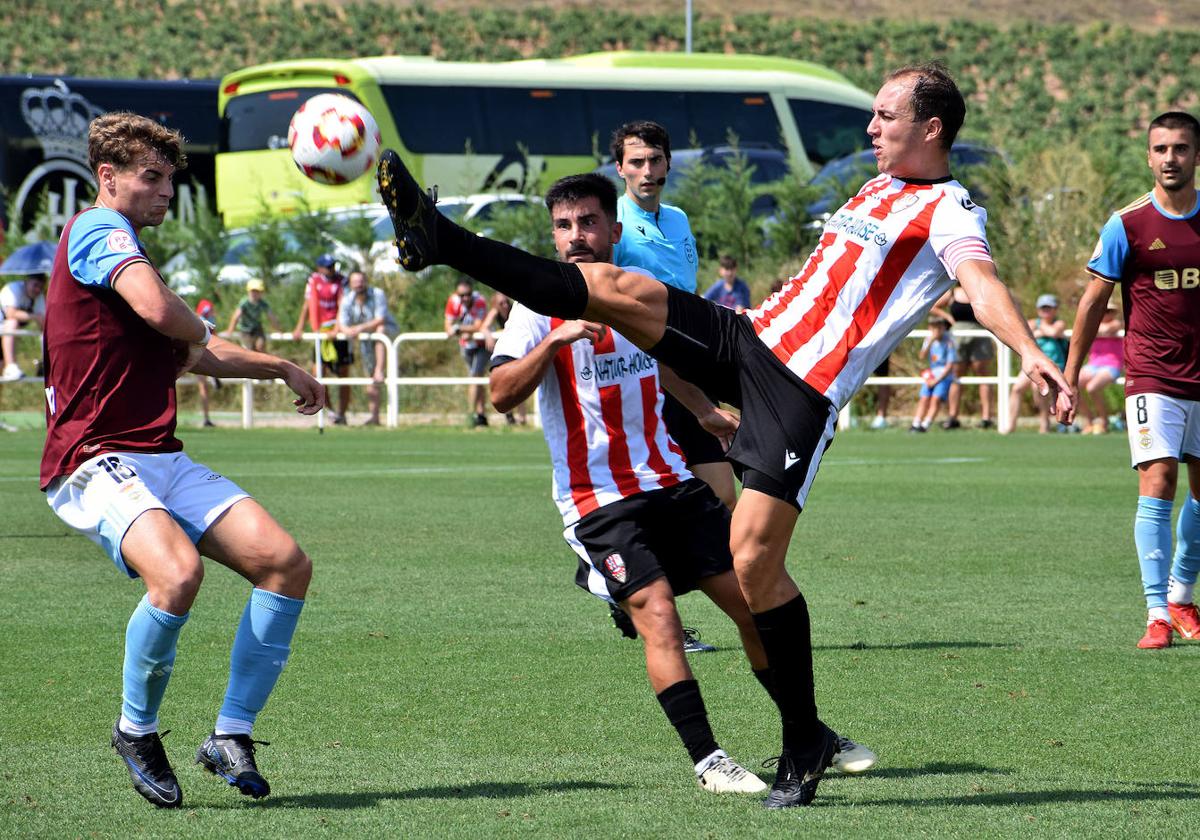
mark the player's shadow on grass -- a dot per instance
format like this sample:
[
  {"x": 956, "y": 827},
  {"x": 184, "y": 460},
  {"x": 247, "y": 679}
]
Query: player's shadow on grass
[
  {"x": 915, "y": 646},
  {"x": 936, "y": 768},
  {"x": 481, "y": 790},
  {"x": 1134, "y": 792}
]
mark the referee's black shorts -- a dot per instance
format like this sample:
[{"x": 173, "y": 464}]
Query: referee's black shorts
[
  {"x": 786, "y": 424},
  {"x": 680, "y": 532}
]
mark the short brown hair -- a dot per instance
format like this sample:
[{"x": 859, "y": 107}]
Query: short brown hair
[
  {"x": 727, "y": 262},
  {"x": 650, "y": 133},
  {"x": 121, "y": 137},
  {"x": 1177, "y": 120},
  {"x": 934, "y": 94}
]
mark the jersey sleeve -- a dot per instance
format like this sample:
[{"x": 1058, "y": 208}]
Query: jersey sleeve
[
  {"x": 102, "y": 244},
  {"x": 523, "y": 331},
  {"x": 1108, "y": 260},
  {"x": 959, "y": 232},
  {"x": 8, "y": 297}
]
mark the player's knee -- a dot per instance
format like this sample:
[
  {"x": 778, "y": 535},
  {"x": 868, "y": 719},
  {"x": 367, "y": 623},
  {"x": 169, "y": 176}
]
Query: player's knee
[
  {"x": 173, "y": 585},
  {"x": 657, "y": 620}
]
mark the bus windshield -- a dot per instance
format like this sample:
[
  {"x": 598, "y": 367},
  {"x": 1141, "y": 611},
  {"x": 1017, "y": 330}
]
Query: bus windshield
[{"x": 256, "y": 121}]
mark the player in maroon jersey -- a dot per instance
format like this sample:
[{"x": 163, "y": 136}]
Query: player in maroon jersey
[
  {"x": 1152, "y": 248},
  {"x": 116, "y": 340},
  {"x": 884, "y": 258}
]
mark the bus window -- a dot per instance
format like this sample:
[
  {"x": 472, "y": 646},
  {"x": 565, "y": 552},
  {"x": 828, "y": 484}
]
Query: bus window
[
  {"x": 438, "y": 120},
  {"x": 494, "y": 120},
  {"x": 610, "y": 109},
  {"x": 708, "y": 116},
  {"x": 545, "y": 121},
  {"x": 830, "y": 131},
  {"x": 751, "y": 116},
  {"x": 255, "y": 121}
]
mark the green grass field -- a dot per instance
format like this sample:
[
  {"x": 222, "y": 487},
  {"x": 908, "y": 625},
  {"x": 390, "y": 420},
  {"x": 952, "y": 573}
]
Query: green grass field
[{"x": 975, "y": 604}]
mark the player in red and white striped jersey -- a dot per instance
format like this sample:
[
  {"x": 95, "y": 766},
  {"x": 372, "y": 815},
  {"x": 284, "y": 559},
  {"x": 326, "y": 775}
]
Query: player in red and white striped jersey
[
  {"x": 884, "y": 259},
  {"x": 643, "y": 527}
]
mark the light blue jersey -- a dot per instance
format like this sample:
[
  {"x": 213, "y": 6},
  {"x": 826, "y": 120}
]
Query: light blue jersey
[
  {"x": 661, "y": 243},
  {"x": 101, "y": 243}
]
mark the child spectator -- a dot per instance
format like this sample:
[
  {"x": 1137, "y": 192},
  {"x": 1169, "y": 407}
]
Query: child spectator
[
  {"x": 499, "y": 310},
  {"x": 205, "y": 310},
  {"x": 1102, "y": 369},
  {"x": 1050, "y": 333},
  {"x": 730, "y": 290},
  {"x": 248, "y": 317},
  {"x": 939, "y": 347}
]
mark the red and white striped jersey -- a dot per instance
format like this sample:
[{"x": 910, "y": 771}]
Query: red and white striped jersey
[
  {"x": 883, "y": 260},
  {"x": 601, "y": 409}
]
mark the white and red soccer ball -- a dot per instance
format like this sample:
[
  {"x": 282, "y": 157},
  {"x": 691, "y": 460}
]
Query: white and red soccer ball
[{"x": 333, "y": 139}]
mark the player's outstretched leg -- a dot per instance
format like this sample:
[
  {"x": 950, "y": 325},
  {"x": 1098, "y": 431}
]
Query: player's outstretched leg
[{"x": 425, "y": 237}]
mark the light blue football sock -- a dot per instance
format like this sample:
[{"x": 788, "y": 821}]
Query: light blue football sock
[
  {"x": 1187, "y": 543},
  {"x": 149, "y": 659},
  {"x": 1152, "y": 538},
  {"x": 260, "y": 650}
]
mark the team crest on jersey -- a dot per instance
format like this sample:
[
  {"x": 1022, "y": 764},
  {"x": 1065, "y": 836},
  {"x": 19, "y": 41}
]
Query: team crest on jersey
[
  {"x": 121, "y": 242},
  {"x": 586, "y": 373},
  {"x": 689, "y": 253},
  {"x": 904, "y": 202},
  {"x": 1145, "y": 441},
  {"x": 616, "y": 567}
]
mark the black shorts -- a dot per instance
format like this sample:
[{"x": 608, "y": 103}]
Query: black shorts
[
  {"x": 786, "y": 424},
  {"x": 699, "y": 447},
  {"x": 344, "y": 354},
  {"x": 680, "y": 533}
]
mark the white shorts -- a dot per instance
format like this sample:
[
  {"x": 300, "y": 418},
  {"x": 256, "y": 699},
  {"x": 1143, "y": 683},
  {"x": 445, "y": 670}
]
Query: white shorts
[
  {"x": 1162, "y": 427},
  {"x": 106, "y": 494}
]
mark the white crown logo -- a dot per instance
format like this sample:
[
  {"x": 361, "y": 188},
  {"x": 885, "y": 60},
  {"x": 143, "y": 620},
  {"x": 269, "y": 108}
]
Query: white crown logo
[{"x": 59, "y": 120}]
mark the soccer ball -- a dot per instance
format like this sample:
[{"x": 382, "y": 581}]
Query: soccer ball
[{"x": 333, "y": 139}]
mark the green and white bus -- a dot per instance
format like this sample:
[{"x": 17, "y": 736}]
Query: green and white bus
[{"x": 472, "y": 127}]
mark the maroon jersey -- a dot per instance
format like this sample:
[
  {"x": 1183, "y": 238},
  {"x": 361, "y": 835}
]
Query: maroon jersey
[
  {"x": 110, "y": 376},
  {"x": 1156, "y": 259}
]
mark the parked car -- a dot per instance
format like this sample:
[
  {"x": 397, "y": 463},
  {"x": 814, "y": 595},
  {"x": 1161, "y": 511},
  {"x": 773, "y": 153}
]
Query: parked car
[
  {"x": 842, "y": 176},
  {"x": 381, "y": 256}
]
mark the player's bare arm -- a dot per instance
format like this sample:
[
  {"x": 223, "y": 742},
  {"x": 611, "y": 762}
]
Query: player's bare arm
[
  {"x": 718, "y": 422},
  {"x": 514, "y": 382},
  {"x": 142, "y": 288},
  {"x": 158, "y": 306},
  {"x": 996, "y": 310},
  {"x": 225, "y": 359}
]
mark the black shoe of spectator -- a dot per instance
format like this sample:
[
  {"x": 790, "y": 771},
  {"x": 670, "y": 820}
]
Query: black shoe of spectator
[
  {"x": 623, "y": 621},
  {"x": 480, "y": 420},
  {"x": 986, "y": 424},
  {"x": 952, "y": 423}
]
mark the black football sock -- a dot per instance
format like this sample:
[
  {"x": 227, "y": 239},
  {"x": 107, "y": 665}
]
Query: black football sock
[
  {"x": 685, "y": 709},
  {"x": 787, "y": 639},
  {"x": 767, "y": 681},
  {"x": 546, "y": 286}
]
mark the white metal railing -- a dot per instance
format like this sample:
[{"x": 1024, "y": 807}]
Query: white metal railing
[{"x": 392, "y": 380}]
